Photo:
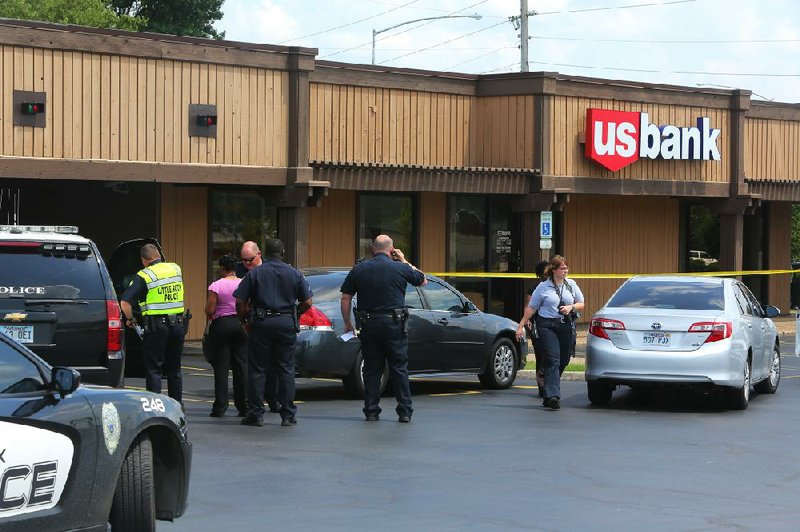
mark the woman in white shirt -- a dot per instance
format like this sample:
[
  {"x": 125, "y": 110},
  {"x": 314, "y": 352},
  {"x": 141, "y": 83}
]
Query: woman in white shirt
[{"x": 555, "y": 302}]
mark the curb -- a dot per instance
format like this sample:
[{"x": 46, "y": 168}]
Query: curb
[{"x": 566, "y": 376}]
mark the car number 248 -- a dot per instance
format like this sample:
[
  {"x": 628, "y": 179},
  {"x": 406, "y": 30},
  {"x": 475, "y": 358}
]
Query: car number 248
[{"x": 153, "y": 405}]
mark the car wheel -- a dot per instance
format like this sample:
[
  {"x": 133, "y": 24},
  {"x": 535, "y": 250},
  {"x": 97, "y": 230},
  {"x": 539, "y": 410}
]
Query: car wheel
[
  {"x": 134, "y": 506},
  {"x": 770, "y": 384},
  {"x": 502, "y": 367},
  {"x": 739, "y": 398},
  {"x": 354, "y": 381},
  {"x": 599, "y": 392}
]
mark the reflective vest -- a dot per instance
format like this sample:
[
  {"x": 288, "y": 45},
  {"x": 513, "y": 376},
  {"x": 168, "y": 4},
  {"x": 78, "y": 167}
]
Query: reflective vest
[{"x": 164, "y": 289}]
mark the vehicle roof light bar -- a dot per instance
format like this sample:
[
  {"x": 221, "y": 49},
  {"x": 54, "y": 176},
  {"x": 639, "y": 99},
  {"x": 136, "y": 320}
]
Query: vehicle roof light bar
[{"x": 63, "y": 229}]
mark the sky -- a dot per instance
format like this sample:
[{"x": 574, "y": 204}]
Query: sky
[{"x": 748, "y": 44}]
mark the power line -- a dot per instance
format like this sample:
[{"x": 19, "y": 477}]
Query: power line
[
  {"x": 668, "y": 41},
  {"x": 688, "y": 72},
  {"x": 609, "y": 8},
  {"x": 490, "y": 52},
  {"x": 445, "y": 42},
  {"x": 403, "y": 31},
  {"x": 352, "y": 23},
  {"x": 418, "y": 8}
]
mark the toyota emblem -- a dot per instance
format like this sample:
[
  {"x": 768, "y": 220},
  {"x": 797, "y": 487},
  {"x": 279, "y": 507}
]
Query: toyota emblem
[{"x": 656, "y": 326}]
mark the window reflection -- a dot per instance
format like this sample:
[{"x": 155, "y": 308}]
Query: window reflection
[{"x": 390, "y": 214}]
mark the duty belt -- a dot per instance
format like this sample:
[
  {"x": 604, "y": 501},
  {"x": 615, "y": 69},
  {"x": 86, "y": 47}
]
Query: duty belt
[
  {"x": 397, "y": 313},
  {"x": 262, "y": 313}
]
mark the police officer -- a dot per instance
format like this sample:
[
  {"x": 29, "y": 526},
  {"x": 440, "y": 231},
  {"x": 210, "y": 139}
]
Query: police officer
[
  {"x": 380, "y": 283},
  {"x": 158, "y": 289},
  {"x": 251, "y": 258},
  {"x": 267, "y": 299}
]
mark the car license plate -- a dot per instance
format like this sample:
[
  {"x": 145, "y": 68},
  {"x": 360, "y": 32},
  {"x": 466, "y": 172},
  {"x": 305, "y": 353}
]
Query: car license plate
[
  {"x": 21, "y": 333},
  {"x": 656, "y": 338}
]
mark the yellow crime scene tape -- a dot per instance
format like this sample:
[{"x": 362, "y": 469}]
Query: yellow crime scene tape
[{"x": 493, "y": 275}]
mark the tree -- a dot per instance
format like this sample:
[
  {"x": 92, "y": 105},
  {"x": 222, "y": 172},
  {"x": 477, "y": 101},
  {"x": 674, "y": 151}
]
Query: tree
[
  {"x": 795, "y": 232},
  {"x": 192, "y": 18},
  {"x": 93, "y": 13}
]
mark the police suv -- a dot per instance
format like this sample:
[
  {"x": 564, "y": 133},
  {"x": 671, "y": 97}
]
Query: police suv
[
  {"x": 58, "y": 298},
  {"x": 78, "y": 457}
]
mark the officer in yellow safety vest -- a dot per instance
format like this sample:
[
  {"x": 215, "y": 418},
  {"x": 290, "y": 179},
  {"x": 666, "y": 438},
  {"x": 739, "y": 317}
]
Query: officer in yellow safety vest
[{"x": 158, "y": 289}]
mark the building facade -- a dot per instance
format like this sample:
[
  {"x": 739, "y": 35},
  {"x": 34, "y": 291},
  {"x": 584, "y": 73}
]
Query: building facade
[{"x": 205, "y": 144}]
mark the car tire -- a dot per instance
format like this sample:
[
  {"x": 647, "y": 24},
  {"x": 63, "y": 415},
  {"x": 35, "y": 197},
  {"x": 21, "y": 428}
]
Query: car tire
[
  {"x": 134, "y": 506},
  {"x": 501, "y": 370},
  {"x": 599, "y": 392},
  {"x": 770, "y": 384},
  {"x": 739, "y": 398},
  {"x": 354, "y": 381}
]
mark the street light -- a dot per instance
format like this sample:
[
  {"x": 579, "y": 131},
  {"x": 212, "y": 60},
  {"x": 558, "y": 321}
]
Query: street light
[
  {"x": 376, "y": 32},
  {"x": 729, "y": 87}
]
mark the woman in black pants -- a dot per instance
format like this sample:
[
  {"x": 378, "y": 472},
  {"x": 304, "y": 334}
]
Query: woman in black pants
[
  {"x": 555, "y": 302},
  {"x": 227, "y": 340}
]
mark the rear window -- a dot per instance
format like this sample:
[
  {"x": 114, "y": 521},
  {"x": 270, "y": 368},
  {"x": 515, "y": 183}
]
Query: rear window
[
  {"x": 326, "y": 287},
  {"x": 28, "y": 274},
  {"x": 669, "y": 295}
]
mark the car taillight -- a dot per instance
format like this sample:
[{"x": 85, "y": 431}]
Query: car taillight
[
  {"x": 599, "y": 325},
  {"x": 718, "y": 330},
  {"x": 315, "y": 319},
  {"x": 115, "y": 331}
]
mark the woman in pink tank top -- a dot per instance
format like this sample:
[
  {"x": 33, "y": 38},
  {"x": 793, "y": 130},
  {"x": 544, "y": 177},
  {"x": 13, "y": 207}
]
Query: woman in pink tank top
[{"x": 227, "y": 340}]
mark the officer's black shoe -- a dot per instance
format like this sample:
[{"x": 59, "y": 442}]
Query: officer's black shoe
[
  {"x": 241, "y": 413},
  {"x": 274, "y": 408},
  {"x": 404, "y": 418},
  {"x": 372, "y": 417},
  {"x": 288, "y": 422},
  {"x": 253, "y": 421},
  {"x": 217, "y": 413},
  {"x": 552, "y": 403}
]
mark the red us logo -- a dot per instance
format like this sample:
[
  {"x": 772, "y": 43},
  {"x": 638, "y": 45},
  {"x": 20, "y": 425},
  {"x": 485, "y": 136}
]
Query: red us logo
[{"x": 612, "y": 137}]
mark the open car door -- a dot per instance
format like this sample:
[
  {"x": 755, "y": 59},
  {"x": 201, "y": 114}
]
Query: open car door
[{"x": 122, "y": 266}]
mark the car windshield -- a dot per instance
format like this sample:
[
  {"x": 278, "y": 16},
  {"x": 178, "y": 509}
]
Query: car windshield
[
  {"x": 29, "y": 274},
  {"x": 325, "y": 287},
  {"x": 669, "y": 295}
]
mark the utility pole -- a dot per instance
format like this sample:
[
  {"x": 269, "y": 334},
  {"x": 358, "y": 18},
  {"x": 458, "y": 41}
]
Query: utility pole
[
  {"x": 521, "y": 23},
  {"x": 523, "y": 35}
]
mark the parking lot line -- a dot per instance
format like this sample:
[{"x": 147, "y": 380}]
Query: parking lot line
[{"x": 465, "y": 392}]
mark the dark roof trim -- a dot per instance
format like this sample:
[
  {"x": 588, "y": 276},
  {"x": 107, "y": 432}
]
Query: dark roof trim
[
  {"x": 775, "y": 190},
  {"x": 425, "y": 168},
  {"x": 152, "y": 45},
  {"x": 393, "y": 78},
  {"x": 774, "y": 110}
]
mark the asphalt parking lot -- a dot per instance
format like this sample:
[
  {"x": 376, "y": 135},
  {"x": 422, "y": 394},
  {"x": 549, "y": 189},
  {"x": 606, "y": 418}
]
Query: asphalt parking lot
[{"x": 496, "y": 460}]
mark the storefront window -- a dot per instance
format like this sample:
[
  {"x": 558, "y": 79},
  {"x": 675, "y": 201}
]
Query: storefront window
[
  {"x": 481, "y": 239},
  {"x": 237, "y": 217},
  {"x": 389, "y": 214},
  {"x": 702, "y": 239}
]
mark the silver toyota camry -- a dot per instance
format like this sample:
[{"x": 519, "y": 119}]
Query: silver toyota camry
[{"x": 698, "y": 331}]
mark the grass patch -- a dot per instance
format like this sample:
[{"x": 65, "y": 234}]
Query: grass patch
[{"x": 570, "y": 367}]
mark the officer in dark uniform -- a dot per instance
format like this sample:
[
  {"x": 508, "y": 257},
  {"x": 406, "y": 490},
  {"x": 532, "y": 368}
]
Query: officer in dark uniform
[
  {"x": 267, "y": 299},
  {"x": 158, "y": 289},
  {"x": 380, "y": 283}
]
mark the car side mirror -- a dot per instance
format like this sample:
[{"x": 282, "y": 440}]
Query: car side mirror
[
  {"x": 771, "y": 311},
  {"x": 65, "y": 380},
  {"x": 469, "y": 307}
]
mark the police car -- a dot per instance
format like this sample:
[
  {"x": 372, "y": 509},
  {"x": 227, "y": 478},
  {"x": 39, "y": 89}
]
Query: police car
[{"x": 82, "y": 457}]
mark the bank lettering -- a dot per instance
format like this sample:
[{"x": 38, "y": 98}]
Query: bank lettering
[{"x": 616, "y": 139}]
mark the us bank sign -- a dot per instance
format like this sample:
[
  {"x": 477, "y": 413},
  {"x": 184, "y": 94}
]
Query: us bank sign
[{"x": 615, "y": 139}]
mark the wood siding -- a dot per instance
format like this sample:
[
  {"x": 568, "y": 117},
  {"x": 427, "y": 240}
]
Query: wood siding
[
  {"x": 136, "y": 109},
  {"x": 393, "y": 126},
  {"x": 568, "y": 122},
  {"x": 779, "y": 255},
  {"x": 772, "y": 149},
  {"x": 332, "y": 230},
  {"x": 619, "y": 234},
  {"x": 184, "y": 237},
  {"x": 433, "y": 232}
]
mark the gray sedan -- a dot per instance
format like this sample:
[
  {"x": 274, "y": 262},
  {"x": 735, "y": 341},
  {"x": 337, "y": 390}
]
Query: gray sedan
[
  {"x": 699, "y": 331},
  {"x": 446, "y": 333}
]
